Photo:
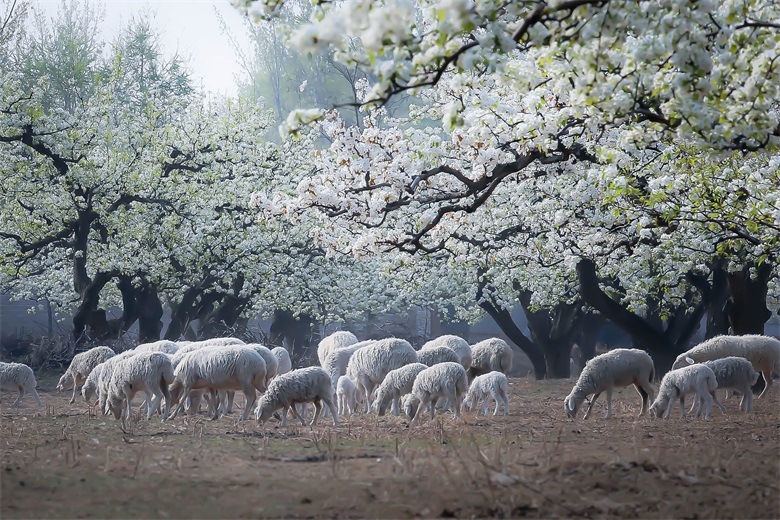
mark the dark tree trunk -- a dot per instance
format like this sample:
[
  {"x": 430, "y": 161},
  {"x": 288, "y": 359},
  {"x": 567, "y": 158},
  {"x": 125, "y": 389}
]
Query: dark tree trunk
[
  {"x": 504, "y": 320},
  {"x": 150, "y": 313},
  {"x": 293, "y": 333},
  {"x": 746, "y": 308},
  {"x": 557, "y": 356},
  {"x": 588, "y": 335},
  {"x": 717, "y": 317},
  {"x": 181, "y": 314},
  {"x": 222, "y": 320}
]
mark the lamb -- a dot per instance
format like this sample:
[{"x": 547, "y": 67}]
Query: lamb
[
  {"x": 150, "y": 371},
  {"x": 396, "y": 384},
  {"x": 17, "y": 376},
  {"x": 80, "y": 367},
  {"x": 305, "y": 385},
  {"x": 368, "y": 366},
  {"x": 445, "y": 380},
  {"x": 434, "y": 355},
  {"x": 165, "y": 346},
  {"x": 233, "y": 367},
  {"x": 457, "y": 344},
  {"x": 489, "y": 355},
  {"x": 338, "y": 339},
  {"x": 614, "y": 369},
  {"x": 734, "y": 373},
  {"x": 493, "y": 384},
  {"x": 762, "y": 351},
  {"x": 336, "y": 362},
  {"x": 678, "y": 383},
  {"x": 283, "y": 362},
  {"x": 345, "y": 396}
]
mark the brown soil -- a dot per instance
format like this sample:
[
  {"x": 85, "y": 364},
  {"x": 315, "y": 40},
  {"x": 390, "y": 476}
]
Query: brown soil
[{"x": 62, "y": 462}]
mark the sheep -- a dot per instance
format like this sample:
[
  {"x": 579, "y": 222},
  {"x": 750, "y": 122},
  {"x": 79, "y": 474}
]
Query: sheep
[
  {"x": 368, "y": 366},
  {"x": 617, "y": 368},
  {"x": 338, "y": 339},
  {"x": 165, "y": 346},
  {"x": 90, "y": 388},
  {"x": 434, "y": 355},
  {"x": 271, "y": 368},
  {"x": 336, "y": 362},
  {"x": 762, "y": 351},
  {"x": 233, "y": 367},
  {"x": 445, "y": 380},
  {"x": 345, "y": 396},
  {"x": 457, "y": 344},
  {"x": 150, "y": 371},
  {"x": 305, "y": 385},
  {"x": 192, "y": 346},
  {"x": 489, "y": 355},
  {"x": 409, "y": 404},
  {"x": 396, "y": 384},
  {"x": 734, "y": 373},
  {"x": 493, "y": 384},
  {"x": 697, "y": 378},
  {"x": 80, "y": 367},
  {"x": 104, "y": 376},
  {"x": 283, "y": 362},
  {"x": 17, "y": 376}
]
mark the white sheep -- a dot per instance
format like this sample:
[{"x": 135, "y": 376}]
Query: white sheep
[
  {"x": 338, "y": 339},
  {"x": 396, "y": 384},
  {"x": 345, "y": 396},
  {"x": 283, "y": 361},
  {"x": 305, "y": 385},
  {"x": 90, "y": 388},
  {"x": 80, "y": 367},
  {"x": 18, "y": 376},
  {"x": 148, "y": 371},
  {"x": 336, "y": 361},
  {"x": 614, "y": 369},
  {"x": 434, "y": 355},
  {"x": 762, "y": 351},
  {"x": 271, "y": 368},
  {"x": 489, "y": 355},
  {"x": 368, "y": 366},
  {"x": 698, "y": 379},
  {"x": 165, "y": 346},
  {"x": 445, "y": 380},
  {"x": 233, "y": 367},
  {"x": 459, "y": 345},
  {"x": 104, "y": 377},
  {"x": 734, "y": 373},
  {"x": 493, "y": 384},
  {"x": 192, "y": 346}
]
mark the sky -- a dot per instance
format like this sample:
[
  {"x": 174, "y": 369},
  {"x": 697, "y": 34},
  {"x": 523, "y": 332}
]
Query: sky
[{"x": 191, "y": 27}]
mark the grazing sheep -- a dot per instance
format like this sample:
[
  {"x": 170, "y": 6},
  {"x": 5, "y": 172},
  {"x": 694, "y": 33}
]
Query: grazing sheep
[
  {"x": 271, "y": 368},
  {"x": 147, "y": 371},
  {"x": 233, "y": 367},
  {"x": 165, "y": 346},
  {"x": 336, "y": 361},
  {"x": 345, "y": 396},
  {"x": 734, "y": 373},
  {"x": 90, "y": 388},
  {"x": 762, "y": 351},
  {"x": 192, "y": 346},
  {"x": 283, "y": 361},
  {"x": 614, "y": 369},
  {"x": 409, "y": 404},
  {"x": 368, "y": 366},
  {"x": 493, "y": 384},
  {"x": 305, "y": 385},
  {"x": 699, "y": 379},
  {"x": 445, "y": 380},
  {"x": 489, "y": 355},
  {"x": 459, "y": 345},
  {"x": 435, "y": 355},
  {"x": 104, "y": 377},
  {"x": 17, "y": 376},
  {"x": 338, "y": 339},
  {"x": 396, "y": 384},
  {"x": 80, "y": 367}
]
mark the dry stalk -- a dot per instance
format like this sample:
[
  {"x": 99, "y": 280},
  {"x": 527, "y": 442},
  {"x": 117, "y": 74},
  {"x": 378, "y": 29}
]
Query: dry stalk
[
  {"x": 108, "y": 459},
  {"x": 138, "y": 459}
]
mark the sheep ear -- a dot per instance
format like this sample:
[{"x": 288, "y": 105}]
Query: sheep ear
[{"x": 690, "y": 360}]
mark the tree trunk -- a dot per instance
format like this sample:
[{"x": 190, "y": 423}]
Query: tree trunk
[
  {"x": 294, "y": 334},
  {"x": 504, "y": 320},
  {"x": 717, "y": 317},
  {"x": 746, "y": 309},
  {"x": 557, "y": 356},
  {"x": 150, "y": 313}
]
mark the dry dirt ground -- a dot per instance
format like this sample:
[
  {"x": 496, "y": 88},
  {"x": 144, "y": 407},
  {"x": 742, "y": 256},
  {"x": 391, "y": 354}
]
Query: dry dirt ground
[{"x": 62, "y": 462}]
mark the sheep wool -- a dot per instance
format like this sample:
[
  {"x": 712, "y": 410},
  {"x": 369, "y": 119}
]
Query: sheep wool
[
  {"x": 148, "y": 371},
  {"x": 698, "y": 379},
  {"x": 80, "y": 367},
  {"x": 338, "y": 339},
  {"x": 304, "y": 385},
  {"x": 396, "y": 384},
  {"x": 345, "y": 396},
  {"x": 165, "y": 346},
  {"x": 18, "y": 376},
  {"x": 762, "y": 351},
  {"x": 489, "y": 355},
  {"x": 368, "y": 366},
  {"x": 614, "y": 369},
  {"x": 445, "y": 380},
  {"x": 493, "y": 384},
  {"x": 735, "y": 373},
  {"x": 434, "y": 355},
  {"x": 455, "y": 343},
  {"x": 336, "y": 362},
  {"x": 283, "y": 361}
]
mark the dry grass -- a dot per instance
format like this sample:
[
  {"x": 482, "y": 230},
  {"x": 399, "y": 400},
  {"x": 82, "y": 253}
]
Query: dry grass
[{"x": 63, "y": 461}]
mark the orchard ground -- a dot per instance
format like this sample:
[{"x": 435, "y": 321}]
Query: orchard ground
[{"x": 62, "y": 462}]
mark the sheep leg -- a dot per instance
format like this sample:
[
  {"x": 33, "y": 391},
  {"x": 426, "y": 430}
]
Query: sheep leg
[
  {"x": 215, "y": 401},
  {"x": 34, "y": 393},
  {"x": 746, "y": 403},
  {"x": 590, "y": 406},
  {"x": 19, "y": 397},
  {"x": 609, "y": 403},
  {"x": 251, "y": 396},
  {"x": 317, "y": 411},
  {"x": 496, "y": 398},
  {"x": 682, "y": 404},
  {"x": 767, "y": 375},
  {"x": 73, "y": 397},
  {"x": 395, "y": 405},
  {"x": 715, "y": 400},
  {"x": 417, "y": 413},
  {"x": 295, "y": 414},
  {"x": 432, "y": 406},
  {"x": 505, "y": 398},
  {"x": 669, "y": 409},
  {"x": 645, "y": 397},
  {"x": 230, "y": 395}
]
